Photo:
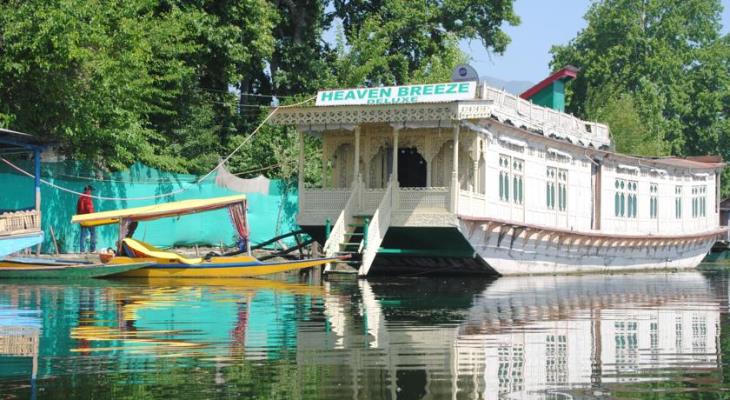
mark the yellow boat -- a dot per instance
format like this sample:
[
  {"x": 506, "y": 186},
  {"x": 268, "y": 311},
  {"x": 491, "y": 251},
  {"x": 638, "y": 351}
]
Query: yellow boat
[{"x": 167, "y": 264}]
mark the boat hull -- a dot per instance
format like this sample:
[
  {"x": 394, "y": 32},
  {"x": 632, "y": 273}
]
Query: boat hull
[
  {"x": 217, "y": 268},
  {"x": 15, "y": 243},
  {"x": 519, "y": 250},
  {"x": 23, "y": 270}
]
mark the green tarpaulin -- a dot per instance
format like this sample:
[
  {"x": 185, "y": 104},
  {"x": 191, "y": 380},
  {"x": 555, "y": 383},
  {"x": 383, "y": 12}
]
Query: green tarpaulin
[{"x": 269, "y": 213}]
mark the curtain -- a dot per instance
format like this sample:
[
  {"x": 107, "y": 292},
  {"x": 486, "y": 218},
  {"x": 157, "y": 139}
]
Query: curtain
[{"x": 238, "y": 219}]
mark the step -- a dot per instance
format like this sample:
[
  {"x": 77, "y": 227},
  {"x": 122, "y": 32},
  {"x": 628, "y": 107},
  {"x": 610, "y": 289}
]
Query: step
[
  {"x": 354, "y": 234},
  {"x": 353, "y": 254}
]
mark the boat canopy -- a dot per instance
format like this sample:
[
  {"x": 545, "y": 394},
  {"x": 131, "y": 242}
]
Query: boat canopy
[{"x": 157, "y": 211}]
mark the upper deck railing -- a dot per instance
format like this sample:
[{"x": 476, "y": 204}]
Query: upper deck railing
[{"x": 551, "y": 122}]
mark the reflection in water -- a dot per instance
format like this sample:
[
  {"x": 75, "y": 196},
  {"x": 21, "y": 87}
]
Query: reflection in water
[{"x": 528, "y": 337}]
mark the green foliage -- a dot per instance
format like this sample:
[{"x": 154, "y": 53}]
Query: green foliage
[
  {"x": 87, "y": 75},
  {"x": 630, "y": 133},
  {"x": 400, "y": 41},
  {"x": 661, "y": 62},
  {"x": 177, "y": 84}
]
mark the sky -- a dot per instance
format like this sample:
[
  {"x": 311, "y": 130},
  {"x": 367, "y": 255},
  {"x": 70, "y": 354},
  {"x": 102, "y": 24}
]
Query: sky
[{"x": 544, "y": 24}]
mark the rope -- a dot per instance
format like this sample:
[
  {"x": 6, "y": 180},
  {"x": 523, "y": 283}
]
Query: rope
[
  {"x": 63, "y": 189},
  {"x": 249, "y": 137},
  {"x": 163, "y": 180},
  {"x": 163, "y": 195},
  {"x": 131, "y": 181}
]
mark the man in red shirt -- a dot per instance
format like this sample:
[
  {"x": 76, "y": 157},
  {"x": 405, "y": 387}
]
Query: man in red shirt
[{"x": 86, "y": 206}]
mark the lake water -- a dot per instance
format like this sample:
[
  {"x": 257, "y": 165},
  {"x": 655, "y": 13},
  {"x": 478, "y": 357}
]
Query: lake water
[{"x": 631, "y": 336}]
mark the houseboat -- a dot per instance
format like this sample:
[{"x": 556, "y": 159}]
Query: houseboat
[
  {"x": 20, "y": 225},
  {"x": 462, "y": 177}
]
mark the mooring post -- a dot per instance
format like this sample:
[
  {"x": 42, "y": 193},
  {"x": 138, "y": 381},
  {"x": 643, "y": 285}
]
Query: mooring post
[
  {"x": 327, "y": 229},
  {"x": 365, "y": 233}
]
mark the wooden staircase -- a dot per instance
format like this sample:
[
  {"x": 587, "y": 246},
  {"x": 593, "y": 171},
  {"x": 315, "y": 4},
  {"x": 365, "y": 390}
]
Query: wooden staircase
[
  {"x": 358, "y": 235},
  {"x": 354, "y": 242}
]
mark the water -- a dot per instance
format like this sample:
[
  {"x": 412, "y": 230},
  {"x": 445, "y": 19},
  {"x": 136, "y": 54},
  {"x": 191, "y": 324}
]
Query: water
[{"x": 630, "y": 336}]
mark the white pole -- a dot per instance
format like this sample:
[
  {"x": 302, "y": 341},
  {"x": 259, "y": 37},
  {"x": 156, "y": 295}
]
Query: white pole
[{"x": 455, "y": 172}]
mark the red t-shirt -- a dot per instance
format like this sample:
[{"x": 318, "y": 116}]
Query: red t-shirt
[{"x": 85, "y": 205}]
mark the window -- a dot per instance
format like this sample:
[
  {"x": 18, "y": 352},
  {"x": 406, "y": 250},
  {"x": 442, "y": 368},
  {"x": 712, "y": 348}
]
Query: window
[
  {"x": 557, "y": 181},
  {"x": 678, "y": 202},
  {"x": 625, "y": 200},
  {"x": 511, "y": 173},
  {"x": 653, "y": 200},
  {"x": 552, "y": 174},
  {"x": 562, "y": 189},
  {"x": 504, "y": 177},
  {"x": 518, "y": 180},
  {"x": 699, "y": 201}
]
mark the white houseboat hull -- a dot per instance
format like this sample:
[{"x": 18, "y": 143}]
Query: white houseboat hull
[{"x": 511, "y": 250}]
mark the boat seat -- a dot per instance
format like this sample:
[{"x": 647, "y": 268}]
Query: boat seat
[{"x": 145, "y": 250}]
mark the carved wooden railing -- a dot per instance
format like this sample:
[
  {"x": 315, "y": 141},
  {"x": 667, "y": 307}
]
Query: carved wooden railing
[
  {"x": 426, "y": 198},
  {"x": 324, "y": 199},
  {"x": 370, "y": 200},
  {"x": 377, "y": 228},
  {"x": 18, "y": 222},
  {"x": 339, "y": 229},
  {"x": 523, "y": 112}
]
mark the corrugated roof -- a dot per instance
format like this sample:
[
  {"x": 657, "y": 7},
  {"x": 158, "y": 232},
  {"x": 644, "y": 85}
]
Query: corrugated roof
[{"x": 713, "y": 162}]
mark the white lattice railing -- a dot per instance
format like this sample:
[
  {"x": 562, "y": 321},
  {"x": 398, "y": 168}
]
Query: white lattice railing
[
  {"x": 427, "y": 198},
  {"x": 19, "y": 222},
  {"x": 523, "y": 112},
  {"x": 324, "y": 199},
  {"x": 370, "y": 200},
  {"x": 377, "y": 229},
  {"x": 471, "y": 203},
  {"x": 337, "y": 235}
]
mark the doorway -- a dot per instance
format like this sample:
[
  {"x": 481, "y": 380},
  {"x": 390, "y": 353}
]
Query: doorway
[{"x": 411, "y": 168}]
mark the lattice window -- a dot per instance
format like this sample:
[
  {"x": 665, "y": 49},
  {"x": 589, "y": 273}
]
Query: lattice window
[
  {"x": 653, "y": 200},
  {"x": 678, "y": 202},
  {"x": 556, "y": 188},
  {"x": 552, "y": 174},
  {"x": 504, "y": 167},
  {"x": 511, "y": 175},
  {"x": 625, "y": 198},
  {"x": 518, "y": 179},
  {"x": 562, "y": 189},
  {"x": 699, "y": 201}
]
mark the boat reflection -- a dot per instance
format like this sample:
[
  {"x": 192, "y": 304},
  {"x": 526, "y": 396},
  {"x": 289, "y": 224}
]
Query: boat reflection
[
  {"x": 530, "y": 336},
  {"x": 191, "y": 317},
  {"x": 397, "y": 338}
]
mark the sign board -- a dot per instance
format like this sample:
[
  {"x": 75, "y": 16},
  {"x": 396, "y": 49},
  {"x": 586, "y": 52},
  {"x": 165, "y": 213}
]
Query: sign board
[{"x": 423, "y": 93}]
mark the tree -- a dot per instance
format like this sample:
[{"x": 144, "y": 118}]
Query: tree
[
  {"x": 177, "y": 83},
  {"x": 630, "y": 133},
  {"x": 667, "y": 56},
  {"x": 399, "y": 41},
  {"x": 381, "y": 42}
]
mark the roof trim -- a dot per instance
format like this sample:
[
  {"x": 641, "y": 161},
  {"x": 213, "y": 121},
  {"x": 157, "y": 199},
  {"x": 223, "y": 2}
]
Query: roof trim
[
  {"x": 19, "y": 139},
  {"x": 648, "y": 162},
  {"x": 569, "y": 72}
]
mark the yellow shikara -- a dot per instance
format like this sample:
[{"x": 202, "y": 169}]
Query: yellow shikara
[{"x": 167, "y": 264}]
